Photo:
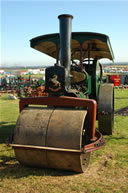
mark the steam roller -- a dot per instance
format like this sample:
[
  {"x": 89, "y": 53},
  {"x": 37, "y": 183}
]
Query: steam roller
[{"x": 58, "y": 130}]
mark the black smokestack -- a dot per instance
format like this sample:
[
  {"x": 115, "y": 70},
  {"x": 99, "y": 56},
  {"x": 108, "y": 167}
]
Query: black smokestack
[{"x": 65, "y": 40}]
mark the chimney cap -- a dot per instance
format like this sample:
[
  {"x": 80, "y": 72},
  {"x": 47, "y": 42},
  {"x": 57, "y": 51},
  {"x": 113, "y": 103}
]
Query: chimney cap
[{"x": 65, "y": 15}]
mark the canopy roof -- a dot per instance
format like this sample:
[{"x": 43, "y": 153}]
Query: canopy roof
[{"x": 98, "y": 44}]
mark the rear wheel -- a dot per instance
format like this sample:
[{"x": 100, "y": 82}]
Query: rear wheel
[{"x": 106, "y": 109}]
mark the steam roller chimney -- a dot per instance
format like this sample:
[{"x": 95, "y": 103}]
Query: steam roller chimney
[{"x": 65, "y": 40}]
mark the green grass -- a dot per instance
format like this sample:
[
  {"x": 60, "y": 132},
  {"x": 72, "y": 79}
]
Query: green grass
[
  {"x": 121, "y": 98},
  {"x": 9, "y": 112},
  {"x": 107, "y": 171},
  {"x": 121, "y": 93}
]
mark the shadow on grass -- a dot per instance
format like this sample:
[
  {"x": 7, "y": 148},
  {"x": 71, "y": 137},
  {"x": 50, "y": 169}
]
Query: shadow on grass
[
  {"x": 116, "y": 138},
  {"x": 10, "y": 168},
  {"x": 6, "y": 129}
]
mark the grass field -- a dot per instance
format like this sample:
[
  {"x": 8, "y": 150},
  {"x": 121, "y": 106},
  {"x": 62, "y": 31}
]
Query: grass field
[{"x": 107, "y": 172}]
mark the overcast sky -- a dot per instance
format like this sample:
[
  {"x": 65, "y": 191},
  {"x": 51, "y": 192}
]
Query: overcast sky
[{"x": 23, "y": 20}]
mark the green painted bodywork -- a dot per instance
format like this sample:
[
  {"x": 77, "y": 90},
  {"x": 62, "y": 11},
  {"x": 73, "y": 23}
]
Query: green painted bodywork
[
  {"x": 97, "y": 82},
  {"x": 88, "y": 80},
  {"x": 98, "y": 75},
  {"x": 83, "y": 45}
]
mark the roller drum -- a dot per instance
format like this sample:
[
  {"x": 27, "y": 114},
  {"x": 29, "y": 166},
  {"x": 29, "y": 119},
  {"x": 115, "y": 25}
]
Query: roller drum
[{"x": 51, "y": 138}]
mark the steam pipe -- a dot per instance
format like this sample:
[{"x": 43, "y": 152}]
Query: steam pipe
[{"x": 65, "y": 40}]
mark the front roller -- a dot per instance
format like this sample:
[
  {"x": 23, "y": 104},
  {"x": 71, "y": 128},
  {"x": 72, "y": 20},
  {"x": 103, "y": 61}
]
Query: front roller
[
  {"x": 54, "y": 137},
  {"x": 51, "y": 138}
]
